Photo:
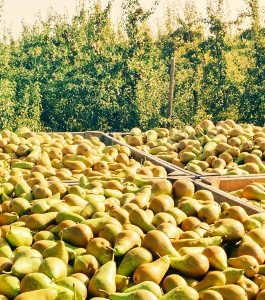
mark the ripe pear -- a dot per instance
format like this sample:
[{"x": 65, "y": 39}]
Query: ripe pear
[
  {"x": 201, "y": 242},
  {"x": 68, "y": 215},
  {"x": 142, "y": 198},
  {"x": 125, "y": 241},
  {"x": 213, "y": 278},
  {"x": 192, "y": 265},
  {"x": 217, "y": 257},
  {"x": 249, "y": 247},
  {"x": 53, "y": 267},
  {"x": 5, "y": 250},
  {"x": 161, "y": 203},
  {"x": 73, "y": 284},
  {"x": 101, "y": 249},
  {"x": 19, "y": 205},
  {"x": 183, "y": 188},
  {"x": 43, "y": 235},
  {"x": 43, "y": 294},
  {"x": 35, "y": 281},
  {"x": 40, "y": 221},
  {"x": 9, "y": 286},
  {"x": 133, "y": 259},
  {"x": 233, "y": 275},
  {"x": 92, "y": 207},
  {"x": 258, "y": 236},
  {"x": 41, "y": 245},
  {"x": 86, "y": 264},
  {"x": 171, "y": 230},
  {"x": 246, "y": 262},
  {"x": 181, "y": 292},
  {"x": 235, "y": 212},
  {"x": 172, "y": 281},
  {"x": 210, "y": 295},
  {"x": 209, "y": 213},
  {"x": 146, "y": 285},
  {"x": 78, "y": 235},
  {"x": 8, "y": 218},
  {"x": 64, "y": 224},
  {"x": 59, "y": 250},
  {"x": 97, "y": 223},
  {"x": 153, "y": 271},
  {"x": 178, "y": 214},
  {"x": 103, "y": 283},
  {"x": 250, "y": 287},
  {"x": 230, "y": 291},
  {"x": 158, "y": 243},
  {"x": 134, "y": 295},
  {"x": 163, "y": 217}
]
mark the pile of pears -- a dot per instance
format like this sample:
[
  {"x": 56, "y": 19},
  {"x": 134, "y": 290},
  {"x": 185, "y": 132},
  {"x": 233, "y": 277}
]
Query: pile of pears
[
  {"x": 134, "y": 239},
  {"x": 226, "y": 148},
  {"x": 253, "y": 193}
]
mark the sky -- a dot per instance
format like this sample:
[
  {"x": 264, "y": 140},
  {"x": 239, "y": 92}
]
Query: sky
[{"x": 15, "y": 11}]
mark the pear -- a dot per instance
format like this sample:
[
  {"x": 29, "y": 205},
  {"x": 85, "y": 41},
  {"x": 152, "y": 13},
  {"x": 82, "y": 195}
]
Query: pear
[
  {"x": 101, "y": 249},
  {"x": 40, "y": 221},
  {"x": 183, "y": 188},
  {"x": 121, "y": 282},
  {"x": 103, "y": 283},
  {"x": 43, "y": 294},
  {"x": 5, "y": 264},
  {"x": 64, "y": 224},
  {"x": 72, "y": 200},
  {"x": 210, "y": 295},
  {"x": 59, "y": 250},
  {"x": 249, "y": 247},
  {"x": 5, "y": 250},
  {"x": 229, "y": 229},
  {"x": 213, "y": 278},
  {"x": 258, "y": 236},
  {"x": 53, "y": 267},
  {"x": 134, "y": 295},
  {"x": 230, "y": 291},
  {"x": 43, "y": 235},
  {"x": 68, "y": 215},
  {"x": 9, "y": 286},
  {"x": 74, "y": 285},
  {"x": 146, "y": 285},
  {"x": 24, "y": 264},
  {"x": 133, "y": 259},
  {"x": 19, "y": 205},
  {"x": 82, "y": 277},
  {"x": 125, "y": 241},
  {"x": 153, "y": 271},
  {"x": 8, "y": 218},
  {"x": 86, "y": 264},
  {"x": 120, "y": 214},
  {"x": 217, "y": 257},
  {"x": 181, "y": 292},
  {"x": 172, "y": 281},
  {"x": 246, "y": 262},
  {"x": 233, "y": 275},
  {"x": 162, "y": 217},
  {"x": 192, "y": 265},
  {"x": 19, "y": 236},
  {"x": 178, "y": 214},
  {"x": 35, "y": 281},
  {"x": 78, "y": 235},
  {"x": 142, "y": 198},
  {"x": 253, "y": 192},
  {"x": 158, "y": 243},
  {"x": 195, "y": 242},
  {"x": 97, "y": 223},
  {"x": 209, "y": 213},
  {"x": 261, "y": 295},
  {"x": 41, "y": 245},
  {"x": 161, "y": 203},
  {"x": 92, "y": 207},
  {"x": 250, "y": 287},
  {"x": 235, "y": 212},
  {"x": 109, "y": 232},
  {"x": 139, "y": 218}
]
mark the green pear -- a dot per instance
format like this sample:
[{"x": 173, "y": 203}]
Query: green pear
[
  {"x": 43, "y": 294},
  {"x": 59, "y": 251},
  {"x": 181, "y": 292},
  {"x": 134, "y": 295},
  {"x": 64, "y": 224},
  {"x": 19, "y": 205},
  {"x": 92, "y": 207},
  {"x": 142, "y": 198},
  {"x": 195, "y": 242},
  {"x": 139, "y": 218},
  {"x": 121, "y": 282},
  {"x": 230, "y": 291},
  {"x": 146, "y": 285},
  {"x": 5, "y": 250},
  {"x": 103, "y": 281},
  {"x": 125, "y": 241},
  {"x": 172, "y": 281},
  {"x": 40, "y": 221},
  {"x": 97, "y": 223},
  {"x": 43, "y": 235},
  {"x": 217, "y": 257},
  {"x": 74, "y": 285},
  {"x": 68, "y": 215},
  {"x": 53, "y": 267},
  {"x": 109, "y": 232},
  {"x": 233, "y": 275},
  {"x": 9, "y": 286},
  {"x": 133, "y": 259},
  {"x": 101, "y": 249},
  {"x": 86, "y": 264},
  {"x": 213, "y": 278},
  {"x": 159, "y": 244},
  {"x": 19, "y": 236},
  {"x": 22, "y": 188},
  {"x": 153, "y": 271},
  {"x": 35, "y": 281}
]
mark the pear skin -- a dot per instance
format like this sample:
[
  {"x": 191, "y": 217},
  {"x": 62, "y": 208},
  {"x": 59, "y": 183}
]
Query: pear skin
[
  {"x": 246, "y": 262},
  {"x": 134, "y": 295},
  {"x": 181, "y": 292},
  {"x": 101, "y": 249},
  {"x": 139, "y": 218},
  {"x": 59, "y": 251},
  {"x": 153, "y": 271},
  {"x": 213, "y": 278},
  {"x": 217, "y": 257},
  {"x": 172, "y": 281},
  {"x": 78, "y": 235},
  {"x": 250, "y": 287},
  {"x": 159, "y": 244},
  {"x": 133, "y": 259},
  {"x": 125, "y": 241},
  {"x": 230, "y": 291},
  {"x": 86, "y": 264},
  {"x": 103, "y": 282},
  {"x": 40, "y": 221},
  {"x": 146, "y": 285},
  {"x": 53, "y": 267},
  {"x": 233, "y": 275},
  {"x": 34, "y": 281},
  {"x": 43, "y": 294},
  {"x": 210, "y": 295},
  {"x": 9, "y": 286}
]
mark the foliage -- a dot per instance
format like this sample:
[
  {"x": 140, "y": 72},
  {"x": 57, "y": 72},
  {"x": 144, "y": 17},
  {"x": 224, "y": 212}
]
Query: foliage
[{"x": 87, "y": 74}]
